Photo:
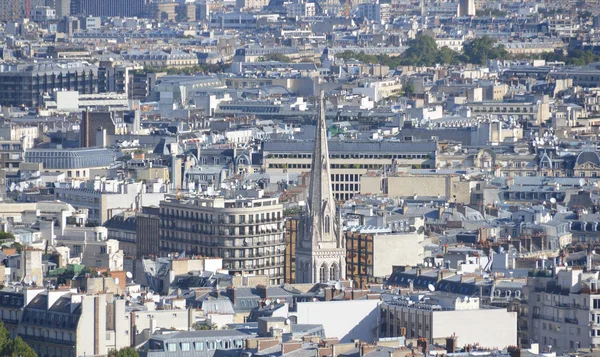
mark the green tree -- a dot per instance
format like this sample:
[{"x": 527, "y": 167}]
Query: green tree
[
  {"x": 18, "y": 348},
  {"x": 447, "y": 56},
  {"x": 279, "y": 57},
  {"x": 409, "y": 89},
  {"x": 484, "y": 48},
  {"x": 4, "y": 337},
  {"x": 125, "y": 352},
  {"x": 491, "y": 12},
  {"x": 13, "y": 348},
  {"x": 17, "y": 246},
  {"x": 6, "y": 235},
  {"x": 422, "y": 51}
]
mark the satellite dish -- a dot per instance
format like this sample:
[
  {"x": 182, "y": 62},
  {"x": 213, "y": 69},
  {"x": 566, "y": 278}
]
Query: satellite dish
[
  {"x": 338, "y": 286},
  {"x": 431, "y": 287},
  {"x": 117, "y": 281},
  {"x": 129, "y": 275},
  {"x": 581, "y": 182},
  {"x": 277, "y": 301},
  {"x": 287, "y": 321},
  {"x": 268, "y": 302},
  {"x": 553, "y": 200},
  {"x": 150, "y": 295}
]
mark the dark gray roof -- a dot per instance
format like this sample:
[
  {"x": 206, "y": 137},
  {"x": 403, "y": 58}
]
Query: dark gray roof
[{"x": 588, "y": 156}]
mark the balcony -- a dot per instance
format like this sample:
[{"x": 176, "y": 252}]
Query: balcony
[{"x": 47, "y": 340}]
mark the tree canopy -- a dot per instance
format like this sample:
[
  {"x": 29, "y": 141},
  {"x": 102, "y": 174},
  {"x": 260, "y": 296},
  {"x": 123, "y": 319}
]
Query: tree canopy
[
  {"x": 124, "y": 352},
  {"x": 13, "y": 347},
  {"x": 6, "y": 235},
  {"x": 421, "y": 51},
  {"x": 573, "y": 57},
  {"x": 279, "y": 57},
  {"x": 484, "y": 48}
]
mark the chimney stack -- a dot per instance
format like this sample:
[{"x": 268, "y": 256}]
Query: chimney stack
[{"x": 262, "y": 291}]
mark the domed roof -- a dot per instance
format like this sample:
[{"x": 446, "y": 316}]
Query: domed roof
[{"x": 588, "y": 156}]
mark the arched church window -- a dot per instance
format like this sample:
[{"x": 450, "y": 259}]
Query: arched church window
[
  {"x": 327, "y": 222},
  {"x": 323, "y": 273},
  {"x": 333, "y": 272}
]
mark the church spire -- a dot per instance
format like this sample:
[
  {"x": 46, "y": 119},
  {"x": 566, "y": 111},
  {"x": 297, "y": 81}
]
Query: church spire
[
  {"x": 321, "y": 206},
  {"x": 320, "y": 253}
]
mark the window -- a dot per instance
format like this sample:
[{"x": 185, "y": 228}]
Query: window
[
  {"x": 323, "y": 273},
  {"x": 171, "y": 347},
  {"x": 210, "y": 345},
  {"x": 333, "y": 272},
  {"x": 185, "y": 346},
  {"x": 199, "y": 346},
  {"x": 327, "y": 222}
]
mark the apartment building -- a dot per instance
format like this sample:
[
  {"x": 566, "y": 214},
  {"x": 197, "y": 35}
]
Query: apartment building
[
  {"x": 437, "y": 315},
  {"x": 349, "y": 160},
  {"x": 535, "y": 111},
  {"x": 27, "y": 135},
  {"x": 162, "y": 58},
  {"x": 564, "y": 307},
  {"x": 247, "y": 231},
  {"x": 11, "y": 155}
]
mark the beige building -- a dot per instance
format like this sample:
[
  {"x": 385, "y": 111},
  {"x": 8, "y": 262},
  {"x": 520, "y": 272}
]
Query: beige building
[
  {"x": 453, "y": 187},
  {"x": 372, "y": 251},
  {"x": 26, "y": 266}
]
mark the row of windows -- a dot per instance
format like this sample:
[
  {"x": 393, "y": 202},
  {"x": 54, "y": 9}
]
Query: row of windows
[
  {"x": 353, "y": 156},
  {"x": 199, "y": 346},
  {"x": 231, "y": 219}
]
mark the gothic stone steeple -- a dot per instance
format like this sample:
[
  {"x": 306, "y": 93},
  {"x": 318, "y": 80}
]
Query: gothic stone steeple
[{"x": 321, "y": 254}]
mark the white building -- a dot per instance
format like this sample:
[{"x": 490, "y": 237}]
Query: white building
[
  {"x": 441, "y": 315},
  {"x": 361, "y": 324}
]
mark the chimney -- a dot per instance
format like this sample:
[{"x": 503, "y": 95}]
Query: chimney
[
  {"x": 514, "y": 351},
  {"x": 262, "y": 291},
  {"x": 451, "y": 344},
  {"x": 267, "y": 343},
  {"x": 329, "y": 292},
  {"x": 289, "y": 347},
  {"x": 231, "y": 293},
  {"x": 423, "y": 345},
  {"x": 366, "y": 349}
]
